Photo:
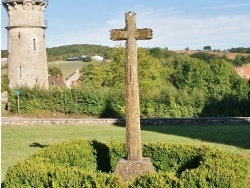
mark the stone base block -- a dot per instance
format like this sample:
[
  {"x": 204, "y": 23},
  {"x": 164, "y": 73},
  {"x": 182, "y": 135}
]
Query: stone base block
[{"x": 132, "y": 169}]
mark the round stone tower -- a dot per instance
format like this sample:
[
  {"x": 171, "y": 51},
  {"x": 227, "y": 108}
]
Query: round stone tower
[{"x": 27, "y": 59}]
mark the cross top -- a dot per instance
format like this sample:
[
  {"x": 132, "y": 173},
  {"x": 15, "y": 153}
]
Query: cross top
[{"x": 130, "y": 30}]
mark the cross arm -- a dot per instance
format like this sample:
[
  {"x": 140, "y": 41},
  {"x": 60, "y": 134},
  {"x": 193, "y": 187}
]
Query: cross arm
[
  {"x": 144, "y": 34},
  {"x": 118, "y": 34}
]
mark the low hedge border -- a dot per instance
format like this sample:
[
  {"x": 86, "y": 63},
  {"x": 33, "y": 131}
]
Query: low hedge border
[{"x": 81, "y": 163}]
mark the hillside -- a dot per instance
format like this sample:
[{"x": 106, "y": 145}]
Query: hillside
[{"x": 61, "y": 53}]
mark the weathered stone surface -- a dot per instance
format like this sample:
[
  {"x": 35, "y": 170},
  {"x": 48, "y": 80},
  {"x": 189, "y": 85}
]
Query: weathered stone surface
[
  {"x": 27, "y": 59},
  {"x": 132, "y": 169},
  {"x": 131, "y": 34},
  {"x": 135, "y": 165}
]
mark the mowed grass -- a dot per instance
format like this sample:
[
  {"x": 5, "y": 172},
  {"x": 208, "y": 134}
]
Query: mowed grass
[
  {"x": 18, "y": 142},
  {"x": 67, "y": 67}
]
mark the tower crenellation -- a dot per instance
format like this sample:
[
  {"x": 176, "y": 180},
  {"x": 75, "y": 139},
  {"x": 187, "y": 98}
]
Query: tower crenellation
[{"x": 27, "y": 59}]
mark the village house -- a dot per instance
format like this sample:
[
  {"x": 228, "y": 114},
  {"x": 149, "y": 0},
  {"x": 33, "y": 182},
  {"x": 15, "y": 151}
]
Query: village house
[
  {"x": 72, "y": 80},
  {"x": 97, "y": 58},
  {"x": 82, "y": 57},
  {"x": 56, "y": 81},
  {"x": 244, "y": 72}
]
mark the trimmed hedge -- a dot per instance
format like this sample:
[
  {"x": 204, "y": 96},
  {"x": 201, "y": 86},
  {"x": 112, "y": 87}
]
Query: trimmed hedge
[{"x": 81, "y": 163}]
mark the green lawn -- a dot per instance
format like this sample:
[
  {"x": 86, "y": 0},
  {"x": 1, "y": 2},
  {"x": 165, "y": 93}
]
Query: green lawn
[{"x": 18, "y": 142}]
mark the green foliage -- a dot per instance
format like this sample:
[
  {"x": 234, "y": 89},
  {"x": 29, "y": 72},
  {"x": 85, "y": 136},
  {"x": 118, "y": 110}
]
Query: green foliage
[
  {"x": 240, "y": 50},
  {"x": 157, "y": 53},
  {"x": 67, "y": 101},
  {"x": 4, "y": 53},
  {"x": 241, "y": 60},
  {"x": 115, "y": 106},
  {"x": 82, "y": 163},
  {"x": 204, "y": 56},
  {"x": 35, "y": 173},
  {"x": 77, "y": 153},
  {"x": 53, "y": 71},
  {"x": 4, "y": 83},
  {"x": 87, "y": 59},
  {"x": 207, "y": 48},
  {"x": 157, "y": 180},
  {"x": 171, "y": 85}
]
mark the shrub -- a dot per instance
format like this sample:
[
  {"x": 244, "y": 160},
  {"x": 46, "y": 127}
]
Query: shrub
[
  {"x": 67, "y": 101},
  {"x": 36, "y": 173},
  {"x": 77, "y": 153},
  {"x": 82, "y": 163}
]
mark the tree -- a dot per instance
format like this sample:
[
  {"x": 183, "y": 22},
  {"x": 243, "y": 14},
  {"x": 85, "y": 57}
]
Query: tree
[
  {"x": 157, "y": 52},
  {"x": 87, "y": 59},
  {"x": 207, "y": 48},
  {"x": 4, "y": 53},
  {"x": 53, "y": 71}
]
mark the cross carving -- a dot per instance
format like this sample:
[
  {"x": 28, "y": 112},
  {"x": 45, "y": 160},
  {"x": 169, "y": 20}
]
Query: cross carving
[{"x": 130, "y": 33}]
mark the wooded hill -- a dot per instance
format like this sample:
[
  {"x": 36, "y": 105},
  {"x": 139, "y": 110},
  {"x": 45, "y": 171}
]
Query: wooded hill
[{"x": 61, "y": 53}]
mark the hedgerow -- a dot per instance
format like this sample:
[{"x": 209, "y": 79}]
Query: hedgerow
[{"x": 81, "y": 163}]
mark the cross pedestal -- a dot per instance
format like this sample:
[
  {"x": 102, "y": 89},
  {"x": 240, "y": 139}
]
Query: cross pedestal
[{"x": 135, "y": 164}]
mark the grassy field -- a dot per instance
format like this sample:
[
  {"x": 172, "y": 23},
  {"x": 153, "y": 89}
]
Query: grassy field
[
  {"x": 18, "y": 142},
  {"x": 67, "y": 67}
]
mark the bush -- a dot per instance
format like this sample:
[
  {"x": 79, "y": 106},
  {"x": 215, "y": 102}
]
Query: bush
[
  {"x": 90, "y": 164},
  {"x": 54, "y": 71},
  {"x": 78, "y": 153},
  {"x": 67, "y": 101}
]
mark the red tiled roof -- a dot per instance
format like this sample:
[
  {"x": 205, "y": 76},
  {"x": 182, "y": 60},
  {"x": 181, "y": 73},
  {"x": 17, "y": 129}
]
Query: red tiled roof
[{"x": 57, "y": 81}]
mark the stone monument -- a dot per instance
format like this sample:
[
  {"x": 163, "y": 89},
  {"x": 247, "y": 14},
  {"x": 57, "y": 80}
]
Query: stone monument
[
  {"x": 27, "y": 58},
  {"x": 135, "y": 164}
]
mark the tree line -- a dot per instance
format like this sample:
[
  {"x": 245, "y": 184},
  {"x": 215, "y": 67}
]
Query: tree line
[
  {"x": 176, "y": 85},
  {"x": 240, "y": 50},
  {"x": 171, "y": 85}
]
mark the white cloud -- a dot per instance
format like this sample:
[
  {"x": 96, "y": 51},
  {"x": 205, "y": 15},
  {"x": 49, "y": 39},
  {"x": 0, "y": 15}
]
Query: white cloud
[{"x": 173, "y": 30}]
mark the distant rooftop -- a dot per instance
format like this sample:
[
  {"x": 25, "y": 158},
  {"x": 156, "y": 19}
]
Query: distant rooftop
[{"x": 12, "y": 1}]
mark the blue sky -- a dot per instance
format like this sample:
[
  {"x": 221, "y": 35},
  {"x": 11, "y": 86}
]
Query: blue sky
[{"x": 176, "y": 24}]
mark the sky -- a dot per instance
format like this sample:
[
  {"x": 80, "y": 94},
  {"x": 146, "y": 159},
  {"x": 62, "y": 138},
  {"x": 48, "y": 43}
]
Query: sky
[{"x": 176, "y": 24}]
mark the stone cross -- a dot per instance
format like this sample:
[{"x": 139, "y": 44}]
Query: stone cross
[
  {"x": 135, "y": 164},
  {"x": 131, "y": 34}
]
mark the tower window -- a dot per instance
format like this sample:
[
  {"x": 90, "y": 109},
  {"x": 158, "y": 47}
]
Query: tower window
[
  {"x": 34, "y": 44},
  {"x": 20, "y": 71}
]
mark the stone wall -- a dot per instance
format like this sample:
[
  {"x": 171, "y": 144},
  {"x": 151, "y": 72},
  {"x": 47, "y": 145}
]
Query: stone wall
[{"x": 120, "y": 121}]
